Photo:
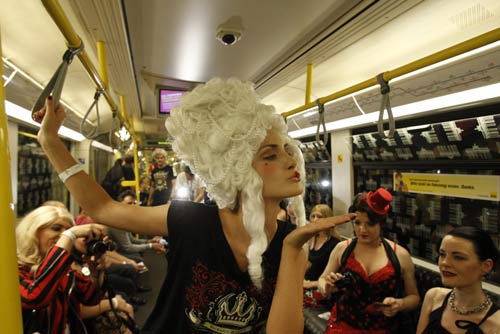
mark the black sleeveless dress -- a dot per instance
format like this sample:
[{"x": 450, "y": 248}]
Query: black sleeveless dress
[{"x": 434, "y": 326}]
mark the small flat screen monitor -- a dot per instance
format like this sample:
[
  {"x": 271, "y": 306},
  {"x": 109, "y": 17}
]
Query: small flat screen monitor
[{"x": 168, "y": 98}]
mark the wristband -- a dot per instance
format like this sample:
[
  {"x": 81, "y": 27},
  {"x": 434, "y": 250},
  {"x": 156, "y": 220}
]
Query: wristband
[
  {"x": 69, "y": 234},
  {"x": 69, "y": 172}
]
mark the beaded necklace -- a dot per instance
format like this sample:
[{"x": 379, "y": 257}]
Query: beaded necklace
[{"x": 451, "y": 302}]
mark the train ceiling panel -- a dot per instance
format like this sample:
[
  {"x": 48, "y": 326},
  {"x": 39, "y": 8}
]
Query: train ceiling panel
[{"x": 172, "y": 43}]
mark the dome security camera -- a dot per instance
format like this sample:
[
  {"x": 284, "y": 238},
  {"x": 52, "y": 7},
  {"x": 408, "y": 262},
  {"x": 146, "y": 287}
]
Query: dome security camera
[
  {"x": 228, "y": 37},
  {"x": 230, "y": 32}
]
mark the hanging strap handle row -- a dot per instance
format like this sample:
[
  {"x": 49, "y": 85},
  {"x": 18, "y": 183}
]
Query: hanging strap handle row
[
  {"x": 385, "y": 104},
  {"x": 55, "y": 85}
]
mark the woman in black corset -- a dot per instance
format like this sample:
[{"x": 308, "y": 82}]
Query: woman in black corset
[{"x": 466, "y": 255}]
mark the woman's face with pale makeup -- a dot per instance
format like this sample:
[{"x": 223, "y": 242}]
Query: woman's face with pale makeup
[{"x": 277, "y": 168}]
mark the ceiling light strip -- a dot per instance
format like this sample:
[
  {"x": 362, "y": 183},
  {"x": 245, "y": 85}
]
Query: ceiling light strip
[
  {"x": 39, "y": 85},
  {"x": 24, "y": 115}
]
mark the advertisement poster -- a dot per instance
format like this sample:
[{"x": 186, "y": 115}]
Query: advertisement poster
[{"x": 484, "y": 187}]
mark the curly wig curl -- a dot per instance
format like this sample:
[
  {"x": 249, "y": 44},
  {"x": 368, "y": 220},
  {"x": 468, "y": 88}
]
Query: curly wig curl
[{"x": 217, "y": 129}]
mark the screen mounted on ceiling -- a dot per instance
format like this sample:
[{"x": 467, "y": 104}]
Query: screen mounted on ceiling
[{"x": 168, "y": 98}]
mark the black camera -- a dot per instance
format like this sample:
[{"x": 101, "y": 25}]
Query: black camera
[
  {"x": 348, "y": 280},
  {"x": 97, "y": 248}
]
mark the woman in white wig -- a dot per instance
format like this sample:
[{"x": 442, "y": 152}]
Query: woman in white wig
[{"x": 223, "y": 260}]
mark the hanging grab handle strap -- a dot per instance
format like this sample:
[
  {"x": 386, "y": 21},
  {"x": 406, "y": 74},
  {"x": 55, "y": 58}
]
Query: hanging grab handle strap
[
  {"x": 95, "y": 131},
  {"x": 55, "y": 85},
  {"x": 385, "y": 104},
  {"x": 321, "y": 122}
]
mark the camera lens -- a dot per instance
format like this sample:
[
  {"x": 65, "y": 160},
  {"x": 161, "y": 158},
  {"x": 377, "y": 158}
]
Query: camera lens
[
  {"x": 228, "y": 39},
  {"x": 96, "y": 248}
]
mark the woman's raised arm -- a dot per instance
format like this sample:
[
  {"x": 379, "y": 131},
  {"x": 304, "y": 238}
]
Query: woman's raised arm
[{"x": 88, "y": 193}]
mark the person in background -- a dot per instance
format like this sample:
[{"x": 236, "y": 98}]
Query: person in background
[
  {"x": 375, "y": 276},
  {"x": 126, "y": 244},
  {"x": 320, "y": 246},
  {"x": 219, "y": 255},
  {"x": 51, "y": 291},
  {"x": 113, "y": 178},
  {"x": 162, "y": 179},
  {"x": 466, "y": 256},
  {"x": 128, "y": 167},
  {"x": 144, "y": 185},
  {"x": 189, "y": 186},
  {"x": 282, "y": 214}
]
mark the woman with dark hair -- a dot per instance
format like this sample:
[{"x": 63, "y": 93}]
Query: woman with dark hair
[
  {"x": 375, "y": 276},
  {"x": 466, "y": 256}
]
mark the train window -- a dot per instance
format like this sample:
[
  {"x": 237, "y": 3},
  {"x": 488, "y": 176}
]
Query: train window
[
  {"x": 37, "y": 182},
  {"x": 418, "y": 221}
]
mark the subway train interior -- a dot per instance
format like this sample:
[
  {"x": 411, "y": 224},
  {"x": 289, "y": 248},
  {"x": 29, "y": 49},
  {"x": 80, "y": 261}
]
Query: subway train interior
[{"x": 398, "y": 94}]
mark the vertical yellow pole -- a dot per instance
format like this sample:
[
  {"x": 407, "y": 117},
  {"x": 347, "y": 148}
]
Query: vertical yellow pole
[
  {"x": 103, "y": 68},
  {"x": 309, "y": 82},
  {"x": 10, "y": 302},
  {"x": 136, "y": 172},
  {"x": 123, "y": 109}
]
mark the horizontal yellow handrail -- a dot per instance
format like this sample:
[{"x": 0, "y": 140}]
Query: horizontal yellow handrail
[{"x": 458, "y": 49}]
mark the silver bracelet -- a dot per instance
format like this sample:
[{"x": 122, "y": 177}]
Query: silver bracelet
[
  {"x": 69, "y": 234},
  {"x": 69, "y": 172}
]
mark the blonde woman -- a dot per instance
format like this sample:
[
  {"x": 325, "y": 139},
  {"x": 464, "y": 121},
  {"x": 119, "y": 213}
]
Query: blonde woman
[
  {"x": 51, "y": 292},
  {"x": 320, "y": 246}
]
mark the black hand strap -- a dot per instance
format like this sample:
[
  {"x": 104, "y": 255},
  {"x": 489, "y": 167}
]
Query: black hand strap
[
  {"x": 55, "y": 85},
  {"x": 385, "y": 104}
]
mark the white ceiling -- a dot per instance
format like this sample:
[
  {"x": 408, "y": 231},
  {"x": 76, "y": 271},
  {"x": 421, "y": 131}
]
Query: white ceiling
[{"x": 173, "y": 43}]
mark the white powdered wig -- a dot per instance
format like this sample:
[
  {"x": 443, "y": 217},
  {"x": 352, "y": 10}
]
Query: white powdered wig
[{"x": 217, "y": 129}]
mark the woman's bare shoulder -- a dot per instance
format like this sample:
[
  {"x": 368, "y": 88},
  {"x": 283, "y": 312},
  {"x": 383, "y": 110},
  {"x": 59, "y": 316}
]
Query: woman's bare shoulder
[{"x": 436, "y": 295}]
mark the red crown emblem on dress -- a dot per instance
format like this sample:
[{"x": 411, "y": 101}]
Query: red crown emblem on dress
[{"x": 379, "y": 201}]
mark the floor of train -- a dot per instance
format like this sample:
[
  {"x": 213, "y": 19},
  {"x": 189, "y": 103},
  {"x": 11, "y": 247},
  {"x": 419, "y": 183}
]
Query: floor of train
[{"x": 154, "y": 277}]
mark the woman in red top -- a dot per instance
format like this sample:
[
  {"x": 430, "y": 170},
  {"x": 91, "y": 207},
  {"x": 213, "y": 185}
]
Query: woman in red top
[
  {"x": 369, "y": 301},
  {"x": 51, "y": 292}
]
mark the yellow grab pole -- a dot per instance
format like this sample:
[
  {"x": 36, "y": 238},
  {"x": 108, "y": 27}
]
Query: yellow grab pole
[
  {"x": 10, "y": 302},
  {"x": 103, "y": 68},
  {"x": 471, "y": 44},
  {"x": 123, "y": 110},
  {"x": 136, "y": 173},
  {"x": 309, "y": 82},
  {"x": 134, "y": 183}
]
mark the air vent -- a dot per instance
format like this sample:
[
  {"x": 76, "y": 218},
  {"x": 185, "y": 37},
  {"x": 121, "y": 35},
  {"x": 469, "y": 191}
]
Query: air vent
[{"x": 471, "y": 16}]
